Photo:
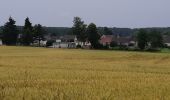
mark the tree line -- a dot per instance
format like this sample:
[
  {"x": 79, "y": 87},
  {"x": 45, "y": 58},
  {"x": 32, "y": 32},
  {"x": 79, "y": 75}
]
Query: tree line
[
  {"x": 145, "y": 39},
  {"x": 152, "y": 39},
  {"x": 12, "y": 36}
]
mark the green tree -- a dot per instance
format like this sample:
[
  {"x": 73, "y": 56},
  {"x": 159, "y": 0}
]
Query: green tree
[
  {"x": 79, "y": 29},
  {"x": 107, "y": 31},
  {"x": 142, "y": 39},
  {"x": 27, "y": 36},
  {"x": 38, "y": 33},
  {"x": 155, "y": 39},
  {"x": 93, "y": 35},
  {"x": 10, "y": 32}
]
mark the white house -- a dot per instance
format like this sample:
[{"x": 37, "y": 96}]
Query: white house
[
  {"x": 57, "y": 44},
  {"x": 0, "y": 42},
  {"x": 166, "y": 40},
  {"x": 43, "y": 43},
  {"x": 67, "y": 41}
]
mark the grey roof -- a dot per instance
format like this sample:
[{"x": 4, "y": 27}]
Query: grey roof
[
  {"x": 123, "y": 39},
  {"x": 68, "y": 37},
  {"x": 65, "y": 38},
  {"x": 166, "y": 39},
  {"x": 48, "y": 37}
]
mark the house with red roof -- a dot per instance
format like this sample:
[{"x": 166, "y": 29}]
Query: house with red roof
[
  {"x": 126, "y": 41},
  {"x": 107, "y": 39}
]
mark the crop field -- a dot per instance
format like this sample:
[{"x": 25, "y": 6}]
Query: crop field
[{"x": 66, "y": 74}]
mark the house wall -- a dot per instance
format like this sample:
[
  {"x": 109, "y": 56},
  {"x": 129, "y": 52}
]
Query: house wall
[
  {"x": 168, "y": 44},
  {"x": 64, "y": 45},
  {"x": 60, "y": 45},
  {"x": 105, "y": 43},
  {"x": 56, "y": 45},
  {"x": 72, "y": 45},
  {"x": 43, "y": 43},
  {"x": 0, "y": 42}
]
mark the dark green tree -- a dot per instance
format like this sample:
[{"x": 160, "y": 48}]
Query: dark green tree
[
  {"x": 0, "y": 34},
  {"x": 79, "y": 29},
  {"x": 38, "y": 33},
  {"x": 107, "y": 31},
  {"x": 93, "y": 35},
  {"x": 155, "y": 39},
  {"x": 10, "y": 32},
  {"x": 113, "y": 44},
  {"x": 142, "y": 39},
  {"x": 167, "y": 33},
  {"x": 27, "y": 36}
]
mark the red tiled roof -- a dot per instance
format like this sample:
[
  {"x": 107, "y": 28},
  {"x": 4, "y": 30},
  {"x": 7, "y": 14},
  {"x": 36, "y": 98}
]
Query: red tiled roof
[
  {"x": 106, "y": 39},
  {"x": 109, "y": 38}
]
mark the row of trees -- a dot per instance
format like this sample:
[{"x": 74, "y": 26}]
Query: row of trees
[
  {"x": 12, "y": 36},
  {"x": 86, "y": 32},
  {"x": 145, "y": 39},
  {"x": 149, "y": 39}
]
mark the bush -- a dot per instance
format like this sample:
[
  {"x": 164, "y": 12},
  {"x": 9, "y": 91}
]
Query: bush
[
  {"x": 78, "y": 46},
  {"x": 153, "y": 50},
  {"x": 113, "y": 44},
  {"x": 49, "y": 43}
]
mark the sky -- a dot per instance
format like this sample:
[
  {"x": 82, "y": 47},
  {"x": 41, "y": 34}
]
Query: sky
[{"x": 110, "y": 13}]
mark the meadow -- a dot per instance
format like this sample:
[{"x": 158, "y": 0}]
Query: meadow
[{"x": 72, "y": 74}]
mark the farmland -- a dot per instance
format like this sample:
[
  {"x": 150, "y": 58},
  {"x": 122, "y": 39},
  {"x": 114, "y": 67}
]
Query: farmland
[{"x": 71, "y": 74}]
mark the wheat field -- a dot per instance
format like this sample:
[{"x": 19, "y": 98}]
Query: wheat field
[{"x": 66, "y": 74}]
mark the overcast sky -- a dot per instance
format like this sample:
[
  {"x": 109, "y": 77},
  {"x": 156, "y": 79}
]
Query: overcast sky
[{"x": 111, "y": 13}]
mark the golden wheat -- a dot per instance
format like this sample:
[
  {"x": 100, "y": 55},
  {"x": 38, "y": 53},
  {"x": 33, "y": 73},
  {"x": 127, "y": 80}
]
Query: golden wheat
[{"x": 64, "y": 74}]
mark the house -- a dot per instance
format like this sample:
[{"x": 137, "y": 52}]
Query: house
[
  {"x": 125, "y": 41},
  {"x": 43, "y": 43},
  {"x": 49, "y": 37},
  {"x": 68, "y": 38},
  {"x": 0, "y": 42},
  {"x": 166, "y": 40},
  {"x": 67, "y": 41},
  {"x": 107, "y": 39},
  {"x": 86, "y": 45}
]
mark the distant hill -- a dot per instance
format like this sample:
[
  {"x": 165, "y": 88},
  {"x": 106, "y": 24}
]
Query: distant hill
[
  {"x": 50, "y": 30},
  {"x": 58, "y": 30},
  {"x": 116, "y": 31},
  {"x": 120, "y": 31},
  {"x": 66, "y": 30},
  {"x": 163, "y": 30}
]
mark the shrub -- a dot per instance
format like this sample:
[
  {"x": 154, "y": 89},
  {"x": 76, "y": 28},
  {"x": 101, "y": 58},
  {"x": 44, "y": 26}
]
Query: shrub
[
  {"x": 113, "y": 44},
  {"x": 78, "y": 46},
  {"x": 49, "y": 43}
]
